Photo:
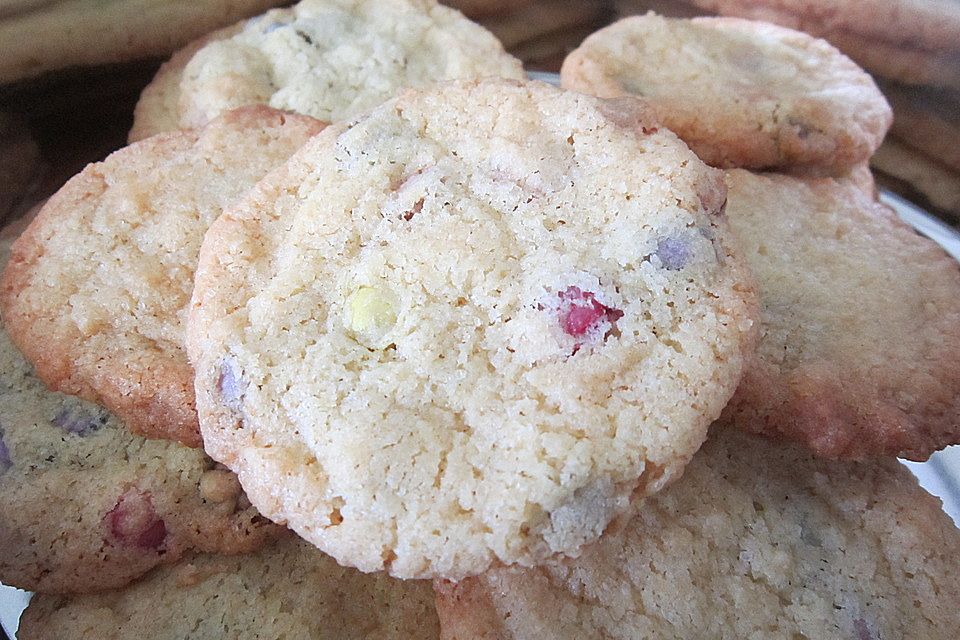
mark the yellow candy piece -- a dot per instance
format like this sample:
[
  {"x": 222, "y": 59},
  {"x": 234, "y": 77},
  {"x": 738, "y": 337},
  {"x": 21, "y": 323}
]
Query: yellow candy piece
[{"x": 371, "y": 313}]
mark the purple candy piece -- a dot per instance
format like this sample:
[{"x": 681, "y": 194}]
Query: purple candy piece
[
  {"x": 863, "y": 631},
  {"x": 231, "y": 385},
  {"x": 674, "y": 253},
  {"x": 78, "y": 420},
  {"x": 5, "y": 461}
]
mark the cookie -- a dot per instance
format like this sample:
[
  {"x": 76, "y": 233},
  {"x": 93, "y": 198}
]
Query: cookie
[
  {"x": 860, "y": 175},
  {"x": 289, "y": 591},
  {"x": 904, "y": 64},
  {"x": 86, "y": 505},
  {"x": 886, "y": 47},
  {"x": 928, "y": 120},
  {"x": 932, "y": 25},
  {"x": 860, "y": 321},
  {"x": 508, "y": 306},
  {"x": 757, "y": 540},
  {"x": 117, "y": 246},
  {"x": 330, "y": 59},
  {"x": 62, "y": 33},
  {"x": 926, "y": 180},
  {"x": 740, "y": 93},
  {"x": 157, "y": 110}
]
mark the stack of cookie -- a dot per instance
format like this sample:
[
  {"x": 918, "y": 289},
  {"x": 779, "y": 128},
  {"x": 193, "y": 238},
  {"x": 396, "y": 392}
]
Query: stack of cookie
[
  {"x": 913, "y": 45},
  {"x": 444, "y": 323}
]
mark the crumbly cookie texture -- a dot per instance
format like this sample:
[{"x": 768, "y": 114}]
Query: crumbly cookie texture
[
  {"x": 757, "y": 540},
  {"x": 467, "y": 327},
  {"x": 289, "y": 591},
  {"x": 95, "y": 291},
  {"x": 85, "y": 505},
  {"x": 860, "y": 347},
  {"x": 330, "y": 59},
  {"x": 740, "y": 93},
  {"x": 43, "y": 35}
]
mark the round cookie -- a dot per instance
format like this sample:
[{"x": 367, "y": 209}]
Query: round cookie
[
  {"x": 920, "y": 24},
  {"x": 44, "y": 35},
  {"x": 755, "y": 541},
  {"x": 467, "y": 327},
  {"x": 860, "y": 322},
  {"x": 927, "y": 120},
  {"x": 330, "y": 59},
  {"x": 890, "y": 47},
  {"x": 117, "y": 246},
  {"x": 86, "y": 505},
  {"x": 740, "y": 93},
  {"x": 157, "y": 110},
  {"x": 927, "y": 181},
  {"x": 289, "y": 591}
]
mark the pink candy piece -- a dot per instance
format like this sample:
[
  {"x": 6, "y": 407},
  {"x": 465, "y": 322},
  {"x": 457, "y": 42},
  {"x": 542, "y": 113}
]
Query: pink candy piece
[
  {"x": 134, "y": 522},
  {"x": 580, "y": 311}
]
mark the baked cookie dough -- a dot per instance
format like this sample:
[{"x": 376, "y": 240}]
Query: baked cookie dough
[
  {"x": 85, "y": 505},
  {"x": 330, "y": 59},
  {"x": 912, "y": 41},
  {"x": 757, "y": 540},
  {"x": 930, "y": 182},
  {"x": 95, "y": 290},
  {"x": 925, "y": 24},
  {"x": 740, "y": 93},
  {"x": 860, "y": 322},
  {"x": 467, "y": 327},
  {"x": 289, "y": 591},
  {"x": 43, "y": 35}
]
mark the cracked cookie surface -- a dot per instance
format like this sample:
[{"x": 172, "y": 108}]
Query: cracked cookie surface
[
  {"x": 466, "y": 328},
  {"x": 330, "y": 59},
  {"x": 86, "y": 505},
  {"x": 96, "y": 286},
  {"x": 756, "y": 540},
  {"x": 741, "y": 93}
]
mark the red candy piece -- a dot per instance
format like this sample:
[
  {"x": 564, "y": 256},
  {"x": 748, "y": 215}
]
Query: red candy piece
[
  {"x": 580, "y": 311},
  {"x": 134, "y": 522}
]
